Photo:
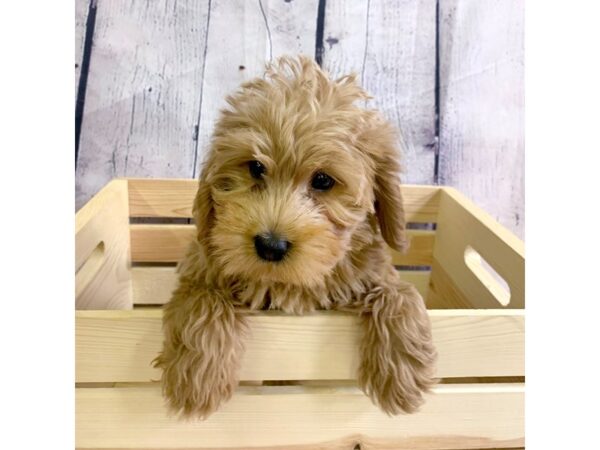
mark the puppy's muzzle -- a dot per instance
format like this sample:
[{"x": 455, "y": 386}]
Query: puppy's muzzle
[{"x": 271, "y": 247}]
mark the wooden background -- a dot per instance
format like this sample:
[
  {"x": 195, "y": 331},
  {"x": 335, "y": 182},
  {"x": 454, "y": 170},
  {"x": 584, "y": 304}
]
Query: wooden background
[{"x": 152, "y": 75}]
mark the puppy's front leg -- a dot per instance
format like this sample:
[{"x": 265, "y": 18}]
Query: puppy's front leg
[
  {"x": 202, "y": 350},
  {"x": 398, "y": 355}
]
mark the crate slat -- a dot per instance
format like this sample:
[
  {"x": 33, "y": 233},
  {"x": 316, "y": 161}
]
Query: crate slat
[
  {"x": 118, "y": 346},
  {"x": 168, "y": 243},
  {"x": 174, "y": 198},
  {"x": 454, "y": 416},
  {"x": 154, "y": 285}
]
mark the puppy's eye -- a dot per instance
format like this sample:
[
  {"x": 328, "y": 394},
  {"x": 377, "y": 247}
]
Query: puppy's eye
[
  {"x": 256, "y": 168},
  {"x": 322, "y": 182}
]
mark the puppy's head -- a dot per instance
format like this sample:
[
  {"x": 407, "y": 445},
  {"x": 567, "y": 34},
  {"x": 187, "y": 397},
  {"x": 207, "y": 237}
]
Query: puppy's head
[{"x": 294, "y": 168}]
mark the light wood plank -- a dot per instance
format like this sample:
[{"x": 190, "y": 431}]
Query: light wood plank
[
  {"x": 160, "y": 243},
  {"x": 420, "y": 251},
  {"x": 118, "y": 346},
  {"x": 174, "y": 198},
  {"x": 168, "y": 243},
  {"x": 103, "y": 278},
  {"x": 161, "y": 197},
  {"x": 243, "y": 36},
  {"x": 154, "y": 285},
  {"x": 482, "y": 105},
  {"x": 443, "y": 292},
  {"x": 391, "y": 46},
  {"x": 462, "y": 224},
  {"x": 81, "y": 13},
  {"x": 143, "y": 92},
  {"x": 454, "y": 416}
]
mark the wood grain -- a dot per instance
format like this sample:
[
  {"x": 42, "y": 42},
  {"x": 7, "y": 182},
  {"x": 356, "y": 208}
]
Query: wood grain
[
  {"x": 143, "y": 92},
  {"x": 482, "y": 105},
  {"x": 118, "y": 346},
  {"x": 154, "y": 285},
  {"x": 242, "y": 37},
  {"x": 102, "y": 264},
  {"x": 168, "y": 243},
  {"x": 391, "y": 46},
  {"x": 173, "y": 198},
  {"x": 454, "y": 416}
]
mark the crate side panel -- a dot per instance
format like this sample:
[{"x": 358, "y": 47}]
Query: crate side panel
[
  {"x": 103, "y": 223},
  {"x": 118, "y": 346},
  {"x": 461, "y": 224},
  {"x": 458, "y": 416}
]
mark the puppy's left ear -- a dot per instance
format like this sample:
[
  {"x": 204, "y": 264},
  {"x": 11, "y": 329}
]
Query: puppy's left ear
[
  {"x": 389, "y": 204},
  {"x": 389, "y": 208}
]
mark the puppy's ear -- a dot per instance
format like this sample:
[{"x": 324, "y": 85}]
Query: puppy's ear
[
  {"x": 389, "y": 204},
  {"x": 380, "y": 142},
  {"x": 203, "y": 210}
]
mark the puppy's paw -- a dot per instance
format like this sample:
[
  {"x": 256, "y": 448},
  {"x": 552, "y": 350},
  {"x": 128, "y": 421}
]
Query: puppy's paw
[
  {"x": 201, "y": 356},
  {"x": 394, "y": 381},
  {"x": 195, "y": 385},
  {"x": 398, "y": 356}
]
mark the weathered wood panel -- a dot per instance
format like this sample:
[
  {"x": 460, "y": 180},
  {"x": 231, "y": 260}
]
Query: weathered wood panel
[
  {"x": 481, "y": 105},
  {"x": 242, "y": 37},
  {"x": 160, "y": 72},
  {"x": 143, "y": 92},
  {"x": 81, "y": 12},
  {"x": 391, "y": 46}
]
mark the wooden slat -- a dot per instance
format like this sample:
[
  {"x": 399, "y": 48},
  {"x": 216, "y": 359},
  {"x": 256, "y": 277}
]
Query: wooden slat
[
  {"x": 463, "y": 224},
  {"x": 391, "y": 46},
  {"x": 242, "y": 37},
  {"x": 117, "y": 346},
  {"x": 168, "y": 243},
  {"x": 420, "y": 251},
  {"x": 143, "y": 92},
  {"x": 482, "y": 126},
  {"x": 175, "y": 197},
  {"x": 103, "y": 279},
  {"x": 160, "y": 243},
  {"x": 154, "y": 285},
  {"x": 454, "y": 416},
  {"x": 150, "y": 197}
]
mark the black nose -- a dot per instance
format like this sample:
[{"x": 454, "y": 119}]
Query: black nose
[{"x": 271, "y": 247}]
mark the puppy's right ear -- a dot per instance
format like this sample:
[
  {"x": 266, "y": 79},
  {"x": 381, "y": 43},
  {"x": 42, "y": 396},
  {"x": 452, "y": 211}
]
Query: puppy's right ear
[{"x": 203, "y": 210}]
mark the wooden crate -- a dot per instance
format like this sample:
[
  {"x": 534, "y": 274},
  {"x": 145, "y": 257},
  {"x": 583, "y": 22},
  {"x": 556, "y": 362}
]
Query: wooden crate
[{"x": 298, "y": 385}]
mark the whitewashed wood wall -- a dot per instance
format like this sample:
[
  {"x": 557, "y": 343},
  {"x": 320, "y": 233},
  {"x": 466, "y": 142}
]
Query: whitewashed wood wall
[{"x": 152, "y": 75}]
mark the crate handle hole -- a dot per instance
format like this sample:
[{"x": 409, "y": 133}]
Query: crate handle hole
[
  {"x": 89, "y": 268},
  {"x": 486, "y": 274}
]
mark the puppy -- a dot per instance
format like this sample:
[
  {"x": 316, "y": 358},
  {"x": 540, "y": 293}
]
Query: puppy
[{"x": 297, "y": 199}]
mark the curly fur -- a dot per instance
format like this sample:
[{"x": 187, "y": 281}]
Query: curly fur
[{"x": 296, "y": 121}]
